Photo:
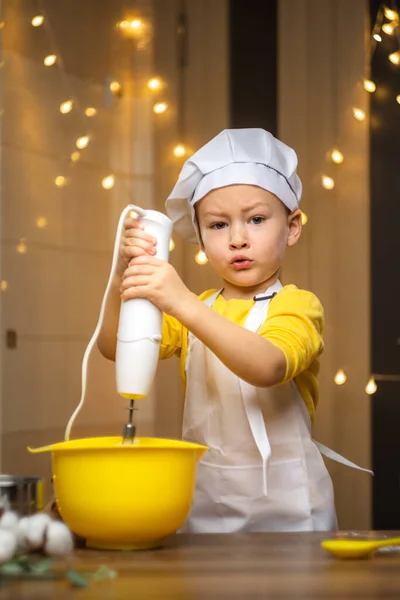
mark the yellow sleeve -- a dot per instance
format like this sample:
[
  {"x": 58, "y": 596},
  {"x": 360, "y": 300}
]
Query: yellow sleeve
[
  {"x": 295, "y": 324},
  {"x": 171, "y": 341}
]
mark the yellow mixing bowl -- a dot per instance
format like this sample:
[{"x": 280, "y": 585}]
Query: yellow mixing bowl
[{"x": 124, "y": 496}]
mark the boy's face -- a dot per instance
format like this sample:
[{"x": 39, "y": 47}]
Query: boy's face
[{"x": 245, "y": 231}]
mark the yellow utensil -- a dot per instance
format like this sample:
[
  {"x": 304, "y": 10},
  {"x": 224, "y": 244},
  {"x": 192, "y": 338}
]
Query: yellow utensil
[
  {"x": 124, "y": 496},
  {"x": 344, "y": 548}
]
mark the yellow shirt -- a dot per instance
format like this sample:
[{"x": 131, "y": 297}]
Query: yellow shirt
[{"x": 294, "y": 323}]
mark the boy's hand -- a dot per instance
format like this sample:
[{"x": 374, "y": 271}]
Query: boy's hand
[
  {"x": 157, "y": 281},
  {"x": 134, "y": 242}
]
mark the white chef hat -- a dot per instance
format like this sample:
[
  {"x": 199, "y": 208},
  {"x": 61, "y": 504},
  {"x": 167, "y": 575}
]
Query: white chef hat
[{"x": 234, "y": 156}]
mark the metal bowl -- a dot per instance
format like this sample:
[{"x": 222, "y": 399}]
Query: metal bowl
[{"x": 24, "y": 494}]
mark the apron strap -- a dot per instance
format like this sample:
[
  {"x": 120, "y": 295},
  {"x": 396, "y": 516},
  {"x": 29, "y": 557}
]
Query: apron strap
[{"x": 338, "y": 458}]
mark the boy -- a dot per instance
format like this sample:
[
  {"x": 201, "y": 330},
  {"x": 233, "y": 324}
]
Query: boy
[{"x": 249, "y": 352}]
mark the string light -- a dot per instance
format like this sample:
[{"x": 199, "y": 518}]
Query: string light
[
  {"x": 337, "y": 156},
  {"x": 371, "y": 386},
  {"x": 66, "y": 107},
  {"x": 304, "y": 218},
  {"x": 22, "y": 248},
  {"x": 90, "y": 111},
  {"x": 60, "y": 181},
  {"x": 75, "y": 156},
  {"x": 377, "y": 37},
  {"x": 179, "y": 150},
  {"x": 389, "y": 28},
  {"x": 123, "y": 24},
  {"x": 340, "y": 377},
  {"x": 327, "y": 182},
  {"x": 155, "y": 83},
  {"x": 82, "y": 142},
  {"x": 3, "y": 285},
  {"x": 133, "y": 28},
  {"x": 41, "y": 222},
  {"x": 160, "y": 107},
  {"x": 391, "y": 14},
  {"x": 369, "y": 86},
  {"x": 108, "y": 182},
  {"x": 50, "y": 60},
  {"x": 171, "y": 245},
  {"x": 116, "y": 88},
  {"x": 37, "y": 21},
  {"x": 201, "y": 258},
  {"x": 398, "y": 98},
  {"x": 395, "y": 58},
  {"x": 358, "y": 114}
]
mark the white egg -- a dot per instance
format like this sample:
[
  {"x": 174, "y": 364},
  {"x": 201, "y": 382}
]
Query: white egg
[
  {"x": 59, "y": 540},
  {"x": 8, "y": 545},
  {"x": 9, "y": 521},
  {"x": 32, "y": 531}
]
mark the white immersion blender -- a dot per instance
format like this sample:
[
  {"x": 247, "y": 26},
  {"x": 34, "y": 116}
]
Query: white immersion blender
[{"x": 139, "y": 329}]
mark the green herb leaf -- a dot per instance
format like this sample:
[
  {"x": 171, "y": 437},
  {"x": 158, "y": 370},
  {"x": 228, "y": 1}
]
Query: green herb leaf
[
  {"x": 41, "y": 565},
  {"x": 13, "y": 567},
  {"x": 77, "y": 579},
  {"x": 104, "y": 572}
]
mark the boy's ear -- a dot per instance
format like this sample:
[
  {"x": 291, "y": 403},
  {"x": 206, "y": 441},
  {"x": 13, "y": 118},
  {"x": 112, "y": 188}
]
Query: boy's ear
[{"x": 294, "y": 227}]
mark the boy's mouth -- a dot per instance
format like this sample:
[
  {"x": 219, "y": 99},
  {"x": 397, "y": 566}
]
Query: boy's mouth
[{"x": 241, "y": 262}]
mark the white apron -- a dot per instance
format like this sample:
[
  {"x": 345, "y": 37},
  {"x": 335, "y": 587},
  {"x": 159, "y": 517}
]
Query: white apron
[{"x": 263, "y": 471}]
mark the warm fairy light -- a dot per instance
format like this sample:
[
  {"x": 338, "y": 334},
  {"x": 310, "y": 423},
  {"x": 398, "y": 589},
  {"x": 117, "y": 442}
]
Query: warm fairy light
[
  {"x": 327, "y": 182},
  {"x": 37, "y": 21},
  {"x": 389, "y": 28},
  {"x": 395, "y": 58},
  {"x": 201, "y": 258},
  {"x": 304, "y": 218},
  {"x": 337, "y": 156},
  {"x": 50, "y": 60},
  {"x": 358, "y": 114},
  {"x": 160, "y": 107},
  {"x": 371, "y": 386},
  {"x": 171, "y": 245},
  {"x": 82, "y": 141},
  {"x": 340, "y": 377},
  {"x": 369, "y": 86},
  {"x": 123, "y": 24},
  {"x": 3, "y": 285},
  {"x": 377, "y": 37},
  {"x": 90, "y": 111},
  {"x": 115, "y": 87},
  {"x": 133, "y": 28},
  {"x": 66, "y": 107},
  {"x": 155, "y": 83},
  {"x": 41, "y": 222},
  {"x": 22, "y": 248},
  {"x": 391, "y": 14},
  {"x": 179, "y": 150},
  {"x": 60, "y": 181},
  {"x": 398, "y": 98},
  {"x": 108, "y": 182},
  {"x": 75, "y": 156}
]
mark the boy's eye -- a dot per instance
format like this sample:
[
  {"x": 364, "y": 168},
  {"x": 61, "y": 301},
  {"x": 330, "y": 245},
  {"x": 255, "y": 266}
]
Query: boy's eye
[
  {"x": 218, "y": 225},
  {"x": 257, "y": 220}
]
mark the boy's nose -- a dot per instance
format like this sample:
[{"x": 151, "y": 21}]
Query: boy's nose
[{"x": 238, "y": 238}]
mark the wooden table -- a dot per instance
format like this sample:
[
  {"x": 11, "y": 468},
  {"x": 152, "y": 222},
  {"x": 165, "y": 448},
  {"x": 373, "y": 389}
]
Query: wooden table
[{"x": 285, "y": 566}]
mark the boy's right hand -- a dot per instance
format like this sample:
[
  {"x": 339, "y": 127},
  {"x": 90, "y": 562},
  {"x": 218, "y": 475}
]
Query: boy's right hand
[{"x": 134, "y": 242}]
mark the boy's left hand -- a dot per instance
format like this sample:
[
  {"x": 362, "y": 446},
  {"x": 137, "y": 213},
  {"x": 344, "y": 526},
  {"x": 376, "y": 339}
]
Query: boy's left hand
[{"x": 157, "y": 281}]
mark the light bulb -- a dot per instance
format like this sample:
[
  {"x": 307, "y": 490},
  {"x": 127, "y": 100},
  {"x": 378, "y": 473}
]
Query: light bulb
[
  {"x": 154, "y": 83},
  {"x": 82, "y": 141},
  {"x": 340, "y": 377},
  {"x": 391, "y": 14},
  {"x": 179, "y": 150},
  {"x": 304, "y": 218},
  {"x": 337, "y": 156},
  {"x": 160, "y": 107},
  {"x": 135, "y": 24},
  {"x": 22, "y": 248},
  {"x": 90, "y": 111},
  {"x": 398, "y": 98},
  {"x": 369, "y": 86},
  {"x": 377, "y": 37},
  {"x": 41, "y": 222},
  {"x": 171, "y": 245},
  {"x": 75, "y": 156},
  {"x": 37, "y": 21},
  {"x": 388, "y": 28},
  {"x": 123, "y": 24},
  {"x": 116, "y": 87},
  {"x": 201, "y": 258},
  {"x": 371, "y": 386},
  {"x": 327, "y": 182},
  {"x": 4, "y": 285},
  {"x": 60, "y": 181},
  {"x": 66, "y": 107},
  {"x": 108, "y": 182},
  {"x": 395, "y": 58},
  {"x": 358, "y": 114},
  {"x": 50, "y": 60}
]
